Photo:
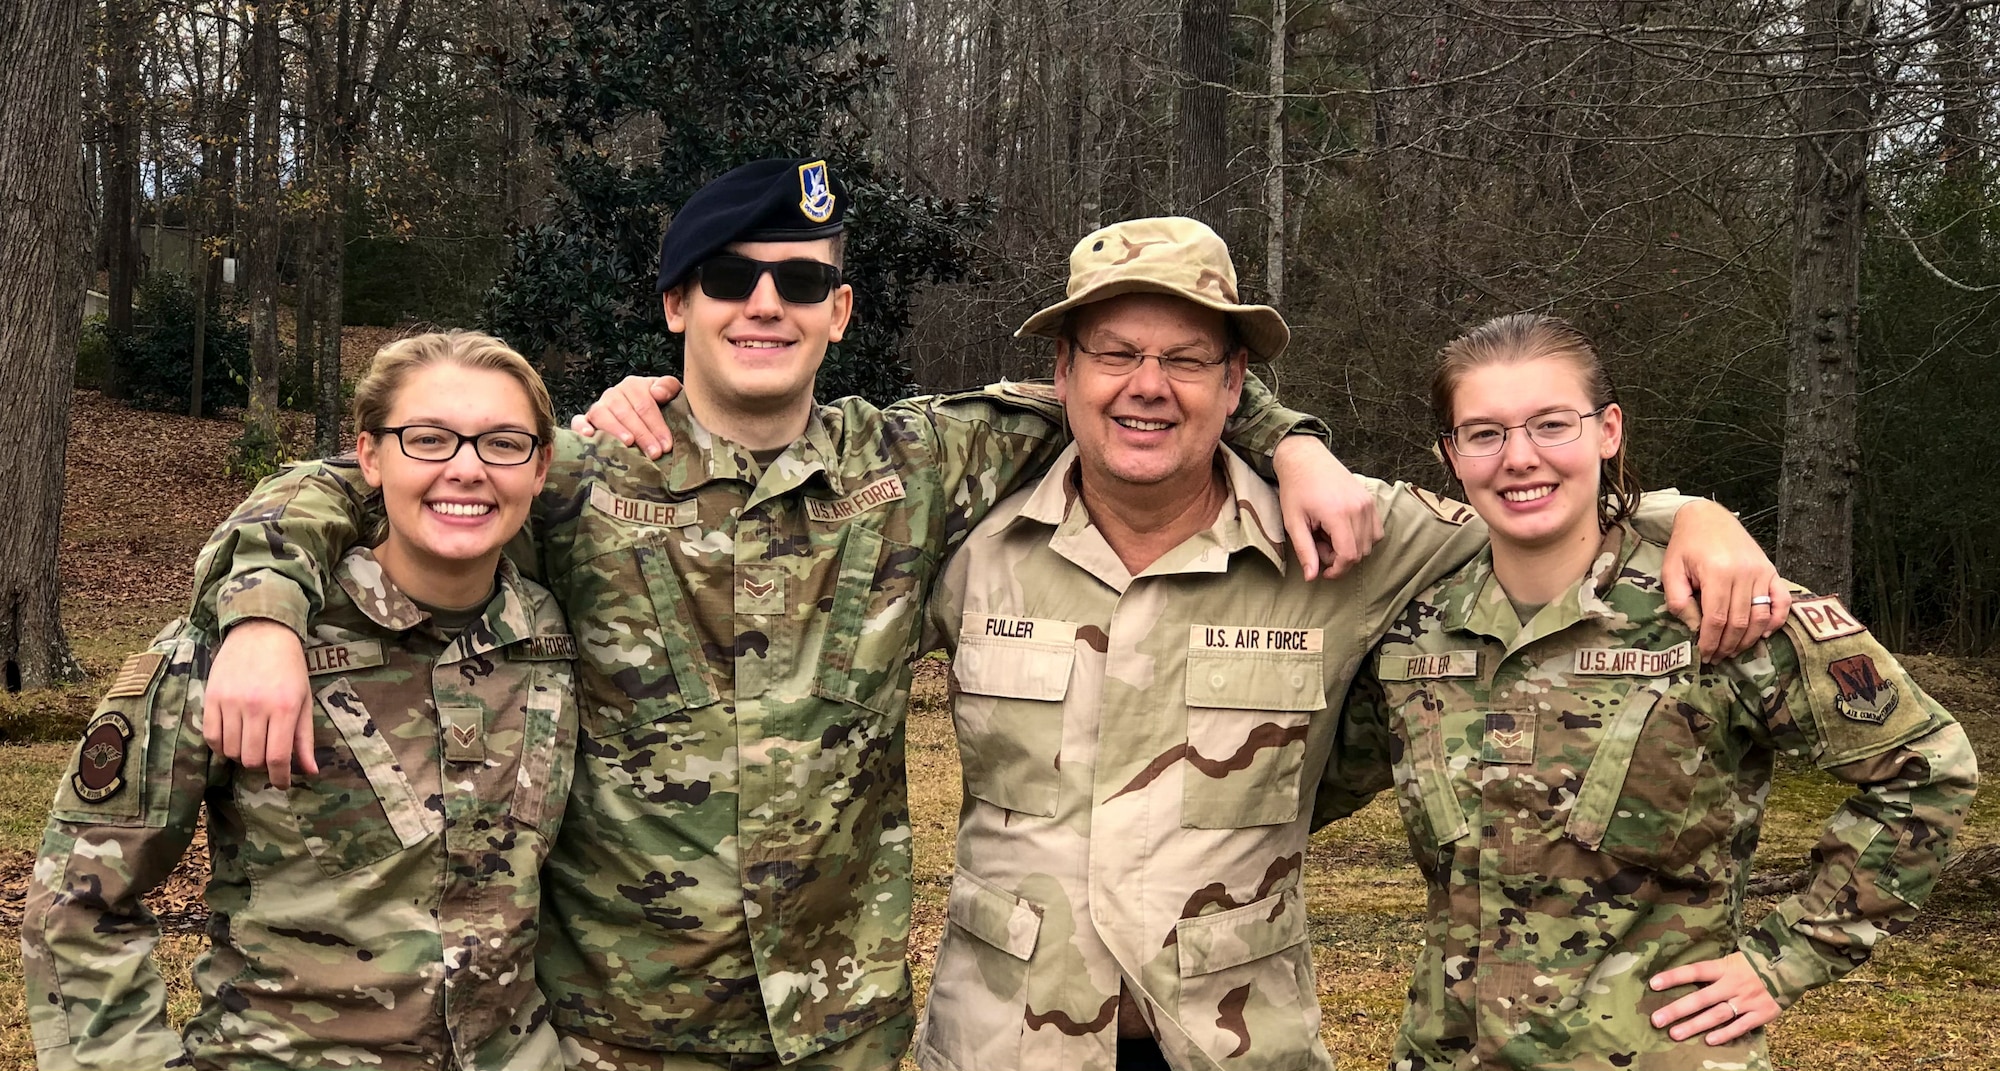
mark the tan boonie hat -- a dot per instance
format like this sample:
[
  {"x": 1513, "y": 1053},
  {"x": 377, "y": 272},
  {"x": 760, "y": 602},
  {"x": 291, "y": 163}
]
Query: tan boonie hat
[{"x": 1161, "y": 255}]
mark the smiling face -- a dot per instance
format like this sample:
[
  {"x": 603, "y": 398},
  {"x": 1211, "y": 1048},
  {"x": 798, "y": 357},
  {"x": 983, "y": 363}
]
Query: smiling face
[
  {"x": 1143, "y": 428},
  {"x": 758, "y": 355},
  {"x": 1532, "y": 496},
  {"x": 452, "y": 517}
]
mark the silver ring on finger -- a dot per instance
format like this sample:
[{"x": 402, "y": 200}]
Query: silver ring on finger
[
  {"x": 1733, "y": 1010},
  {"x": 1760, "y": 600}
]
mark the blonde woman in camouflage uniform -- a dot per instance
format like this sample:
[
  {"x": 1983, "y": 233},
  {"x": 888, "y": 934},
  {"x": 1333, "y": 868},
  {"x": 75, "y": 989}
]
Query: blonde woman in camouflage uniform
[
  {"x": 1584, "y": 795},
  {"x": 383, "y": 913}
]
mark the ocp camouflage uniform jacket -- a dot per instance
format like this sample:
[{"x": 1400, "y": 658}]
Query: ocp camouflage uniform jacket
[
  {"x": 1584, "y": 797},
  {"x": 735, "y": 873},
  {"x": 381, "y": 914},
  {"x": 1141, "y": 756}
]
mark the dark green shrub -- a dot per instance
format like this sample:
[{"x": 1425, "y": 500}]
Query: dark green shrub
[{"x": 156, "y": 356}]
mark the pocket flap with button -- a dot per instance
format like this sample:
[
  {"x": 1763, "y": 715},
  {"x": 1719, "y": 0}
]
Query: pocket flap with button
[
  {"x": 1288, "y": 681},
  {"x": 1014, "y": 658},
  {"x": 993, "y": 915},
  {"x": 1246, "y": 934}
]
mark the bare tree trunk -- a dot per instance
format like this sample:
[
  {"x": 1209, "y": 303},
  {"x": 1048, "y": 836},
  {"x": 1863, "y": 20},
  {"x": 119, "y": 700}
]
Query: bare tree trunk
[
  {"x": 121, "y": 185},
  {"x": 41, "y": 295},
  {"x": 1829, "y": 217},
  {"x": 1274, "y": 178},
  {"x": 1204, "y": 128},
  {"x": 1958, "y": 85},
  {"x": 260, "y": 253}
]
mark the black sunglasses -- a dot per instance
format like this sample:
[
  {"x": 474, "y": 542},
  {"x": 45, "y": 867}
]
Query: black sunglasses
[{"x": 801, "y": 282}]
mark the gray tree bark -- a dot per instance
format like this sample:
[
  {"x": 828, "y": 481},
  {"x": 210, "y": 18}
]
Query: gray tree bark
[
  {"x": 41, "y": 298},
  {"x": 1204, "y": 111},
  {"x": 121, "y": 184},
  {"x": 1829, "y": 218},
  {"x": 260, "y": 212}
]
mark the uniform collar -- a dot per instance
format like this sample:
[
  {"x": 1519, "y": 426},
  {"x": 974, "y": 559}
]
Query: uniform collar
[
  {"x": 700, "y": 456},
  {"x": 1474, "y": 601},
  {"x": 1249, "y": 520},
  {"x": 507, "y": 618}
]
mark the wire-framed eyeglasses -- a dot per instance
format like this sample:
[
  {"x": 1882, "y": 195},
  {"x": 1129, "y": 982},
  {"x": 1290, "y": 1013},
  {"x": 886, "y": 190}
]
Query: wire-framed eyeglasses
[
  {"x": 1186, "y": 367},
  {"x": 1484, "y": 438},
  {"x": 428, "y": 442}
]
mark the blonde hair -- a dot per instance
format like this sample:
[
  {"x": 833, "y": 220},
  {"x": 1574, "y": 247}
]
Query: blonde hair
[
  {"x": 375, "y": 395},
  {"x": 1527, "y": 336}
]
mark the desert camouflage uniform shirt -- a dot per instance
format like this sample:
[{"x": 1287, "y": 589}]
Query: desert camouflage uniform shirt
[
  {"x": 380, "y": 915},
  {"x": 1141, "y": 757},
  {"x": 1583, "y": 797},
  {"x": 735, "y": 874}
]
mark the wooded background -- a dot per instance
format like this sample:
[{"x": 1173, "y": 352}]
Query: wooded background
[{"x": 1778, "y": 218}]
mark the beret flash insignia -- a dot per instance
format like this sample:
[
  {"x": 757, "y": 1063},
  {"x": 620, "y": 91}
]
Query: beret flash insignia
[{"x": 815, "y": 192}]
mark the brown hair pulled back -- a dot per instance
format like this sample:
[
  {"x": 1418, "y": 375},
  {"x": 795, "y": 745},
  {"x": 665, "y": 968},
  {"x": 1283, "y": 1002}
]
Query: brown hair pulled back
[
  {"x": 375, "y": 395},
  {"x": 1526, "y": 336}
]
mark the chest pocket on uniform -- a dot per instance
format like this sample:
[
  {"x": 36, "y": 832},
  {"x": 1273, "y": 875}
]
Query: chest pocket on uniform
[
  {"x": 870, "y": 637},
  {"x": 1432, "y": 814},
  {"x": 1248, "y": 712},
  {"x": 641, "y": 655},
  {"x": 1012, "y": 676},
  {"x": 1650, "y": 794},
  {"x": 361, "y": 808}
]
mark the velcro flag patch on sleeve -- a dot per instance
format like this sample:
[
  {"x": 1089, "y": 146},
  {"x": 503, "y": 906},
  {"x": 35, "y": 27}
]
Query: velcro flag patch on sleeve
[{"x": 136, "y": 674}]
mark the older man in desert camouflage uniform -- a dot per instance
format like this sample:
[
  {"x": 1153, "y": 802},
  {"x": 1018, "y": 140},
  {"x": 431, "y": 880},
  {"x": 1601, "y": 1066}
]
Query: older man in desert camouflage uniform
[
  {"x": 1146, "y": 698},
  {"x": 382, "y": 916}
]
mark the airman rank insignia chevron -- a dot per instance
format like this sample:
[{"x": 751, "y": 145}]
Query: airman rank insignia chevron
[
  {"x": 343, "y": 657},
  {"x": 1448, "y": 510},
  {"x": 135, "y": 675},
  {"x": 462, "y": 728},
  {"x": 1824, "y": 618},
  {"x": 887, "y": 489},
  {"x": 100, "y": 760}
]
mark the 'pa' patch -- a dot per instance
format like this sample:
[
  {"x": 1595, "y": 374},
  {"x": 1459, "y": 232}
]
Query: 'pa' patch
[
  {"x": 1861, "y": 693},
  {"x": 100, "y": 762},
  {"x": 1824, "y": 618}
]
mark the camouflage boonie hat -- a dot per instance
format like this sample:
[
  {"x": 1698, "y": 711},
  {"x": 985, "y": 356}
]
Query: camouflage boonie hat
[{"x": 1161, "y": 255}]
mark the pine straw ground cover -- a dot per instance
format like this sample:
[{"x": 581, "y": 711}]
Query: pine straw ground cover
[{"x": 145, "y": 489}]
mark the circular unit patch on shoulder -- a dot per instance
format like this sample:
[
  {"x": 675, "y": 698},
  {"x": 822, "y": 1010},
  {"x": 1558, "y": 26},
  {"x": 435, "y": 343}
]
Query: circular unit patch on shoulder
[{"x": 100, "y": 763}]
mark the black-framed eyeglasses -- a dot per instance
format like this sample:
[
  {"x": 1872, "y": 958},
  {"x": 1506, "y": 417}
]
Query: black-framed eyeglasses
[
  {"x": 1186, "y": 367},
  {"x": 801, "y": 282},
  {"x": 1484, "y": 438},
  {"x": 427, "y": 442}
]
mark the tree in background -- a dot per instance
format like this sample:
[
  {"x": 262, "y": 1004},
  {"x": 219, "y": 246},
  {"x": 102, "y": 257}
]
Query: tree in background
[
  {"x": 639, "y": 104},
  {"x": 41, "y": 297}
]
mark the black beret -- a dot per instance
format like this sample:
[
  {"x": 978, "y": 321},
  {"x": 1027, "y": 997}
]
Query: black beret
[{"x": 776, "y": 200}]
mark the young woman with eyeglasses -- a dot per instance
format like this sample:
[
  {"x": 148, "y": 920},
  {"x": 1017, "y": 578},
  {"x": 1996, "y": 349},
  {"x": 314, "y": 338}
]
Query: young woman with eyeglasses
[
  {"x": 1583, "y": 795},
  {"x": 384, "y": 911}
]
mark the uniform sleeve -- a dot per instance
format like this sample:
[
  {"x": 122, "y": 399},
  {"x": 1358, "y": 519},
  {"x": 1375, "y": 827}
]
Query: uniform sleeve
[
  {"x": 274, "y": 556},
  {"x": 123, "y": 815},
  {"x": 1653, "y": 519},
  {"x": 1844, "y": 701},
  {"x": 1360, "y": 765},
  {"x": 991, "y": 442}
]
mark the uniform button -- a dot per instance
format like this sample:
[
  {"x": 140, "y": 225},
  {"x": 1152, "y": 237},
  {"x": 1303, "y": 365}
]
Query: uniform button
[
  {"x": 1298, "y": 680},
  {"x": 1215, "y": 679}
]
